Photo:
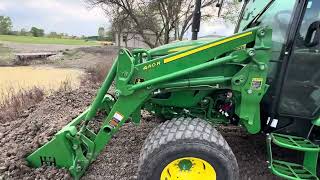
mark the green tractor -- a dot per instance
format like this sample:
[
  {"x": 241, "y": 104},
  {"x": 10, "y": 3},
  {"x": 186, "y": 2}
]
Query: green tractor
[{"x": 265, "y": 78}]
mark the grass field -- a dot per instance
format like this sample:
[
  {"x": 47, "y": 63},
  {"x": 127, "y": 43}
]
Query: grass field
[
  {"x": 45, "y": 40},
  {"x": 6, "y": 55}
]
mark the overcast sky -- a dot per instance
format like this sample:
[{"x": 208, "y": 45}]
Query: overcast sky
[{"x": 73, "y": 17}]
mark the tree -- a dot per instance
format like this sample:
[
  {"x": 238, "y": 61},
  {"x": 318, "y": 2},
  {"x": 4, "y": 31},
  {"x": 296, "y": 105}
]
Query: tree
[
  {"x": 15, "y": 33},
  {"x": 40, "y": 32},
  {"x": 23, "y": 32},
  {"x": 135, "y": 15},
  {"x": 5, "y": 25},
  {"x": 101, "y": 33},
  {"x": 120, "y": 24},
  {"x": 230, "y": 11},
  {"x": 36, "y": 32},
  {"x": 53, "y": 35},
  {"x": 83, "y": 37},
  {"x": 109, "y": 35}
]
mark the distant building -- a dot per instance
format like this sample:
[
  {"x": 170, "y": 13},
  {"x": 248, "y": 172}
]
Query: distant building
[{"x": 133, "y": 40}]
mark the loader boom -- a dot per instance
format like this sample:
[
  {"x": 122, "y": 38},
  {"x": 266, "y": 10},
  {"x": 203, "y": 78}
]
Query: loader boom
[{"x": 138, "y": 78}]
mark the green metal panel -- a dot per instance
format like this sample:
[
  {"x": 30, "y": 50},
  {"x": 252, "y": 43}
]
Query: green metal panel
[
  {"x": 176, "y": 46},
  {"x": 157, "y": 67},
  {"x": 51, "y": 155}
]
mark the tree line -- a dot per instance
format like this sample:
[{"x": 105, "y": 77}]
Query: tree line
[{"x": 6, "y": 29}]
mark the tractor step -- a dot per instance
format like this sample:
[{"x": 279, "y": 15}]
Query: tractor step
[
  {"x": 288, "y": 170},
  {"x": 294, "y": 143},
  {"x": 291, "y": 171}
]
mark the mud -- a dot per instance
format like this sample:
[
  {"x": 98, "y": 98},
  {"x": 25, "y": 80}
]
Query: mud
[
  {"x": 119, "y": 160},
  {"x": 13, "y": 79}
]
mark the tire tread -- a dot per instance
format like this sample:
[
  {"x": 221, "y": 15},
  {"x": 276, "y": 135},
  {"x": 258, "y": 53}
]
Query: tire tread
[{"x": 179, "y": 129}]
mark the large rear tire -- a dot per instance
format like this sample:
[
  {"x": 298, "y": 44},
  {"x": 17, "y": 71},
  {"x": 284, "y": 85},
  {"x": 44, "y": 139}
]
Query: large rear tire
[{"x": 186, "y": 149}]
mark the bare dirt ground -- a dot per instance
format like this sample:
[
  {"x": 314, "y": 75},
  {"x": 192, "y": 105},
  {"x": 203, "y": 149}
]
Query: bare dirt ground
[
  {"x": 68, "y": 56},
  {"x": 87, "y": 57},
  {"x": 119, "y": 160}
]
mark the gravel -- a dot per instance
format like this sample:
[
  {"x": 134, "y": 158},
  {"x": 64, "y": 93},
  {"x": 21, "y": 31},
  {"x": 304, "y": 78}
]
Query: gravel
[{"x": 22, "y": 136}]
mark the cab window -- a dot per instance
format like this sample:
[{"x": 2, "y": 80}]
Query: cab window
[
  {"x": 301, "y": 90},
  {"x": 278, "y": 17}
]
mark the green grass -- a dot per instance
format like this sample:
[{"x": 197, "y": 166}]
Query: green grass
[
  {"x": 6, "y": 56},
  {"x": 45, "y": 40}
]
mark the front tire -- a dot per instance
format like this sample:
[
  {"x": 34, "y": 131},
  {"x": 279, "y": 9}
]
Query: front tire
[{"x": 187, "y": 149}]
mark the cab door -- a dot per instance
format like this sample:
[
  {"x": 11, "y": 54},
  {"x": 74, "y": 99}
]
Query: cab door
[{"x": 300, "y": 94}]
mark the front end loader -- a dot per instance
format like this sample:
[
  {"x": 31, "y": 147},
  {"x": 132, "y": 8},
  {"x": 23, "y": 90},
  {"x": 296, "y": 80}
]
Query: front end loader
[
  {"x": 260, "y": 78},
  {"x": 197, "y": 72}
]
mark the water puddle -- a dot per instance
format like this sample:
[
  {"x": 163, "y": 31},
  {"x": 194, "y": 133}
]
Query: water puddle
[{"x": 26, "y": 77}]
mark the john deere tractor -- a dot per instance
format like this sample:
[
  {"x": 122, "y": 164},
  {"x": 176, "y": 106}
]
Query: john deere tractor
[{"x": 264, "y": 78}]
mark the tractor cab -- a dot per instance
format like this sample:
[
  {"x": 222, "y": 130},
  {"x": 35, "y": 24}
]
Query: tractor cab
[
  {"x": 292, "y": 105},
  {"x": 294, "y": 73}
]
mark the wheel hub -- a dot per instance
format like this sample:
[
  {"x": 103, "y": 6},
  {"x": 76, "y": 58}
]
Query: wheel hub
[
  {"x": 188, "y": 168},
  {"x": 185, "y": 165}
]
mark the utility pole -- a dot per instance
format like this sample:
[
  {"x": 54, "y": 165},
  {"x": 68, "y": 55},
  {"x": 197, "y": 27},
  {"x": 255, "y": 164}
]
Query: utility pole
[{"x": 196, "y": 20}]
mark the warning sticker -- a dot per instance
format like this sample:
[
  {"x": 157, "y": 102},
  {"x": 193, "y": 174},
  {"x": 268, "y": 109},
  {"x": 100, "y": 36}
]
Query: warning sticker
[
  {"x": 117, "y": 117},
  {"x": 138, "y": 80},
  {"x": 256, "y": 83}
]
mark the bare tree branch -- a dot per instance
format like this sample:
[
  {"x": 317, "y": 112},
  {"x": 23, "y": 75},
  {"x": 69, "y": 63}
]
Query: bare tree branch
[{"x": 161, "y": 18}]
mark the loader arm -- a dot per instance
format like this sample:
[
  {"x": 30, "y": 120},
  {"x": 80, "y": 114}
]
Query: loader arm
[{"x": 76, "y": 146}]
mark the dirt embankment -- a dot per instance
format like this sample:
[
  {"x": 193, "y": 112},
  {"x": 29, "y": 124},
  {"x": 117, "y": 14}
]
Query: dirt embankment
[{"x": 24, "y": 135}]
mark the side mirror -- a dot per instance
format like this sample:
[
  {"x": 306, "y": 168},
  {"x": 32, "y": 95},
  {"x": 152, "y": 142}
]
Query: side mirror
[{"x": 313, "y": 35}]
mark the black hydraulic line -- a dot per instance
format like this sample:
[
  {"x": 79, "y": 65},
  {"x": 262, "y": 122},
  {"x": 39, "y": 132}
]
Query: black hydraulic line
[{"x": 196, "y": 20}]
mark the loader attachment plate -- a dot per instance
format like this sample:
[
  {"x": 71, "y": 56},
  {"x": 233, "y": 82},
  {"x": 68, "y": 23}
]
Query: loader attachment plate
[
  {"x": 57, "y": 152},
  {"x": 68, "y": 149}
]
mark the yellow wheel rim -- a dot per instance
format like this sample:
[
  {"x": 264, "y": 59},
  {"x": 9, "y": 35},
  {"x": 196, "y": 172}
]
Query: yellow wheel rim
[{"x": 188, "y": 168}]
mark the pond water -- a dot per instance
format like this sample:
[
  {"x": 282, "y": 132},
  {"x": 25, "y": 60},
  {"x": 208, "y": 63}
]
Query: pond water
[{"x": 12, "y": 79}]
